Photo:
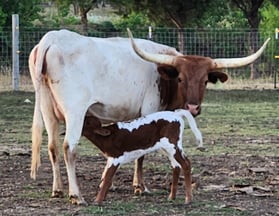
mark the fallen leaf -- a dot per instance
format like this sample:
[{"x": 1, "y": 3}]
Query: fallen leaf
[
  {"x": 215, "y": 187},
  {"x": 266, "y": 189},
  {"x": 232, "y": 206},
  {"x": 247, "y": 190},
  {"x": 258, "y": 170},
  {"x": 27, "y": 101}
]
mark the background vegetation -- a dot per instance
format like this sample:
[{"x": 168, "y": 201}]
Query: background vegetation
[{"x": 108, "y": 18}]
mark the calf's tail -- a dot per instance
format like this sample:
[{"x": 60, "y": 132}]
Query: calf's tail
[{"x": 193, "y": 125}]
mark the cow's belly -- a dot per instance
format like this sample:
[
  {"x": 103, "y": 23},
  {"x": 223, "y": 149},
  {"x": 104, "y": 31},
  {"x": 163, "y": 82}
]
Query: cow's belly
[{"x": 108, "y": 113}]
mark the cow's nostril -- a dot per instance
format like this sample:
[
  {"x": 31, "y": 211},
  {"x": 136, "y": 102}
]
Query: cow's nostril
[{"x": 193, "y": 108}]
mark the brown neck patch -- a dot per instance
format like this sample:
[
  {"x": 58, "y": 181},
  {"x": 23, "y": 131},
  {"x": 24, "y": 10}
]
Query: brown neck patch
[{"x": 168, "y": 91}]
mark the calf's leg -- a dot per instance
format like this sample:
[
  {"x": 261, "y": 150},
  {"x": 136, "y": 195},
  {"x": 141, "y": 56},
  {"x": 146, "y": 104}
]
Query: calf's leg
[
  {"x": 106, "y": 183},
  {"x": 186, "y": 166},
  {"x": 174, "y": 185},
  {"x": 138, "y": 182}
]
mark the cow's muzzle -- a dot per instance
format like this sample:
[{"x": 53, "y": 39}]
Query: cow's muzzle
[{"x": 194, "y": 109}]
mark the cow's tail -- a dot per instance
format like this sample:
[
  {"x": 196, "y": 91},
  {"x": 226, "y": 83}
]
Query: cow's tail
[
  {"x": 36, "y": 60},
  {"x": 37, "y": 130},
  {"x": 193, "y": 126}
]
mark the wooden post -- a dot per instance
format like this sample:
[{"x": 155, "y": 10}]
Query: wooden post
[
  {"x": 276, "y": 57},
  {"x": 275, "y": 73},
  {"x": 15, "y": 33}
]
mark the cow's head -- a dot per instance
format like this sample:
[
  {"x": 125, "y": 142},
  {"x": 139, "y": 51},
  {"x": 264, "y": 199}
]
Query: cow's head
[{"x": 190, "y": 74}]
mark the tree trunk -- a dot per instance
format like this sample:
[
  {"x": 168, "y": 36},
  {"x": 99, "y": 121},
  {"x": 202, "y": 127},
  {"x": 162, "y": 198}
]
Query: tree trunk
[
  {"x": 254, "y": 44},
  {"x": 84, "y": 21},
  {"x": 250, "y": 10},
  {"x": 180, "y": 36}
]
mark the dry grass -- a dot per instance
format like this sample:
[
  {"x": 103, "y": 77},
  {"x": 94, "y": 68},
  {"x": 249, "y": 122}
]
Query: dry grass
[
  {"x": 262, "y": 83},
  {"x": 6, "y": 83}
]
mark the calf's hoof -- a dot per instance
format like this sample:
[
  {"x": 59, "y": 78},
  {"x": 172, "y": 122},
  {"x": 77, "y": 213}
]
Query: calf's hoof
[
  {"x": 188, "y": 202},
  {"x": 98, "y": 202},
  {"x": 171, "y": 197},
  {"x": 141, "y": 190},
  {"x": 74, "y": 199}
]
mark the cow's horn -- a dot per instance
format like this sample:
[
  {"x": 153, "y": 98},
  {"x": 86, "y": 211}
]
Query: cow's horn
[
  {"x": 238, "y": 62},
  {"x": 152, "y": 57}
]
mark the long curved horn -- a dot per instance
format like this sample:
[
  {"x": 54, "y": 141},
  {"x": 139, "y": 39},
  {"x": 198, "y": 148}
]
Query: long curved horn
[
  {"x": 152, "y": 57},
  {"x": 238, "y": 62}
]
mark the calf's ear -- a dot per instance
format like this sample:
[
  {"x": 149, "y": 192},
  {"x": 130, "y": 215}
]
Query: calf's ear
[
  {"x": 213, "y": 76},
  {"x": 102, "y": 131}
]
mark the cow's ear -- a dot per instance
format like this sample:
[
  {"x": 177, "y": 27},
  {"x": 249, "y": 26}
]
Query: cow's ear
[
  {"x": 102, "y": 131},
  {"x": 167, "y": 72},
  {"x": 213, "y": 76}
]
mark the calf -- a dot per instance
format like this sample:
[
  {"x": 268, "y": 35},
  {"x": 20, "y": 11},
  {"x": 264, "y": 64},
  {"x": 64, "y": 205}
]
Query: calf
[{"x": 124, "y": 142}]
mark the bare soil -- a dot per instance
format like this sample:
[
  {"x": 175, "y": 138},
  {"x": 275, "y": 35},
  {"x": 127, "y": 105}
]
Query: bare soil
[{"x": 242, "y": 185}]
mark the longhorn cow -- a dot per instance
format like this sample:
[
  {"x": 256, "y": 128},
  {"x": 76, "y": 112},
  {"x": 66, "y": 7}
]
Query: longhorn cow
[{"x": 76, "y": 76}]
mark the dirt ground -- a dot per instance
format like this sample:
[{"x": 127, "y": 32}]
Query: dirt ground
[{"x": 244, "y": 185}]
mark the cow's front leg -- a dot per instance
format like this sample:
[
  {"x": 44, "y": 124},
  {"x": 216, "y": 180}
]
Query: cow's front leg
[
  {"x": 70, "y": 160},
  {"x": 138, "y": 182}
]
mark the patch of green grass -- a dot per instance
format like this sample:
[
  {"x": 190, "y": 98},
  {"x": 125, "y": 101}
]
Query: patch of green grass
[
  {"x": 175, "y": 207},
  {"x": 115, "y": 208},
  {"x": 240, "y": 121},
  {"x": 35, "y": 195}
]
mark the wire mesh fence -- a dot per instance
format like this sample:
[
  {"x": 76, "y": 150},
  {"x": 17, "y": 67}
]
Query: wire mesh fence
[{"x": 215, "y": 43}]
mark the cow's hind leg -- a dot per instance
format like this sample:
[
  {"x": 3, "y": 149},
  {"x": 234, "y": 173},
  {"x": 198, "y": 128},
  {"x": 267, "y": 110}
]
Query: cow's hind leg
[{"x": 52, "y": 127}]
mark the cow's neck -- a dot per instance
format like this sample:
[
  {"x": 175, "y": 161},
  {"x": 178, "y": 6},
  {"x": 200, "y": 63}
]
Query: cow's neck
[{"x": 168, "y": 93}]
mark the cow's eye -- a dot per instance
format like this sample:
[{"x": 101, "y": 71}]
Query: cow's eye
[
  {"x": 205, "y": 83},
  {"x": 179, "y": 79}
]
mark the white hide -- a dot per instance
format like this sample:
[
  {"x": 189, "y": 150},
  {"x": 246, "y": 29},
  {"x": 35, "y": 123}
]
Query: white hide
[{"x": 104, "y": 73}]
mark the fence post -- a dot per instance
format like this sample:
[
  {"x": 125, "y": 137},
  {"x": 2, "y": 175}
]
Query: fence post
[
  {"x": 15, "y": 33},
  {"x": 276, "y": 57}
]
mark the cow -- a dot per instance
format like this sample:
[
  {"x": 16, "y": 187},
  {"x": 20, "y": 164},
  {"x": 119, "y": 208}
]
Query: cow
[
  {"x": 76, "y": 76},
  {"x": 124, "y": 142}
]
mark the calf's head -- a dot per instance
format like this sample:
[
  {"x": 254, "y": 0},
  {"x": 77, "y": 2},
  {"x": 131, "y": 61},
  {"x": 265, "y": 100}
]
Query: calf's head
[
  {"x": 92, "y": 125},
  {"x": 190, "y": 74}
]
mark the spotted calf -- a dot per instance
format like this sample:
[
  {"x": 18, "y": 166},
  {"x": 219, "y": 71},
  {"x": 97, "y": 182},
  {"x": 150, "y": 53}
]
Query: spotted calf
[{"x": 124, "y": 142}]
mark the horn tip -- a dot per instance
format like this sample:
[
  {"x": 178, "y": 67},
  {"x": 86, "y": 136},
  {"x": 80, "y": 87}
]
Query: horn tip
[
  {"x": 129, "y": 33},
  {"x": 268, "y": 39}
]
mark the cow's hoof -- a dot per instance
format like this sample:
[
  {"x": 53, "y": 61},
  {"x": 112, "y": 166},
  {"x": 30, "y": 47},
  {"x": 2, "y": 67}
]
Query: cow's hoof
[
  {"x": 57, "y": 194},
  {"x": 75, "y": 200}
]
